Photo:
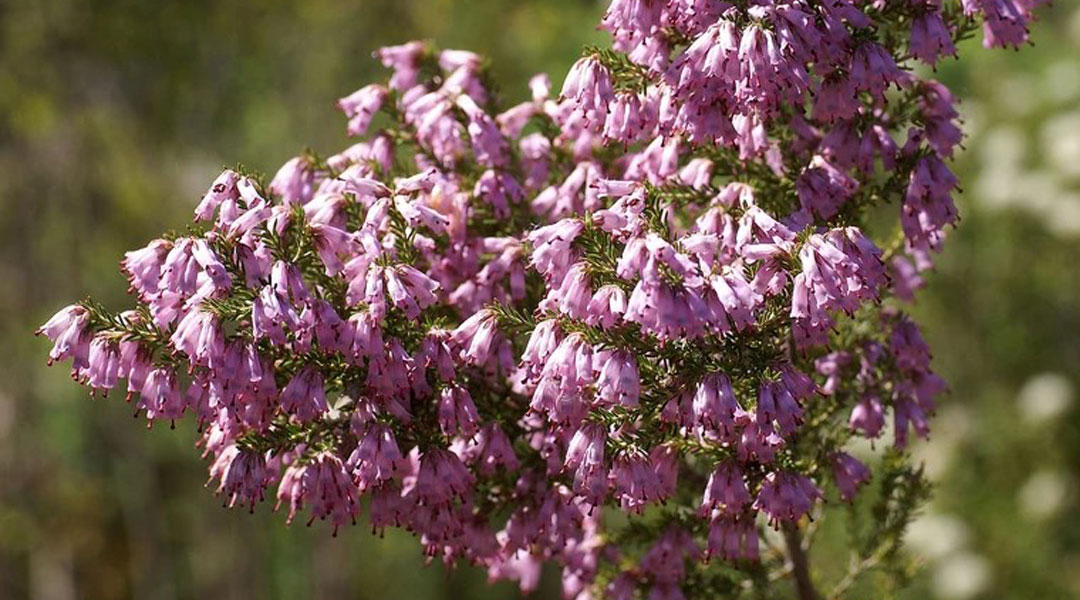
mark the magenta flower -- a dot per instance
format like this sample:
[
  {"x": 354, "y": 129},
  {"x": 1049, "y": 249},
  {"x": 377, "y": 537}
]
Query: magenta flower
[
  {"x": 606, "y": 307},
  {"x": 786, "y": 496},
  {"x": 405, "y": 62},
  {"x": 199, "y": 336},
  {"x": 715, "y": 406},
  {"x": 494, "y": 450},
  {"x": 376, "y": 458},
  {"x": 665, "y": 562},
  {"x": 222, "y": 193},
  {"x": 588, "y": 88},
  {"x": 360, "y": 107},
  {"x": 475, "y": 337},
  {"x": 489, "y": 145},
  {"x": 841, "y": 269},
  {"x": 849, "y": 474},
  {"x": 441, "y": 478},
  {"x": 585, "y": 457},
  {"x": 304, "y": 397},
  {"x": 777, "y": 407},
  {"x": 635, "y": 483},
  {"x": 574, "y": 295},
  {"x": 322, "y": 484},
  {"x": 242, "y": 476},
  {"x": 618, "y": 382},
  {"x": 726, "y": 492},
  {"x": 457, "y": 413},
  {"x": 823, "y": 189},
  {"x": 868, "y": 417},
  {"x": 930, "y": 38},
  {"x": 68, "y": 331},
  {"x": 410, "y": 290},
  {"x": 160, "y": 396},
  {"x": 552, "y": 246},
  {"x": 733, "y": 539},
  {"x": 928, "y": 207},
  {"x": 294, "y": 182}
]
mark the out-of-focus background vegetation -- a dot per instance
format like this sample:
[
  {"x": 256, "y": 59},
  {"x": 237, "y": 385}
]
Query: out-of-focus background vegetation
[{"x": 116, "y": 114}]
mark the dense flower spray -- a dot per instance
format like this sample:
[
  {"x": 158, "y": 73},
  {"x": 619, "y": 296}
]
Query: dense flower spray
[{"x": 650, "y": 291}]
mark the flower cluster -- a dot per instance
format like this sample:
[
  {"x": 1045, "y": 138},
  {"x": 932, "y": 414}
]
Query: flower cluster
[{"x": 651, "y": 293}]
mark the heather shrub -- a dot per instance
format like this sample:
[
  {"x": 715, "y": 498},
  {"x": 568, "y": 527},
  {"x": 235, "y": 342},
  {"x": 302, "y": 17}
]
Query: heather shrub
[{"x": 630, "y": 327}]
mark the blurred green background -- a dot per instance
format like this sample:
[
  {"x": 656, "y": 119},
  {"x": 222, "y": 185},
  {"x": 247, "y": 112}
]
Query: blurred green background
[{"x": 115, "y": 116}]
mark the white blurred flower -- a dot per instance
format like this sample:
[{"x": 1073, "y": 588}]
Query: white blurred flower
[
  {"x": 1074, "y": 27},
  {"x": 1003, "y": 181},
  {"x": 951, "y": 426},
  {"x": 934, "y": 536},
  {"x": 973, "y": 114},
  {"x": 996, "y": 189},
  {"x": 1002, "y": 147},
  {"x": 1061, "y": 144},
  {"x": 961, "y": 576},
  {"x": 1039, "y": 191},
  {"x": 1061, "y": 81},
  {"x": 1043, "y": 495},
  {"x": 1045, "y": 397},
  {"x": 1016, "y": 96},
  {"x": 1063, "y": 218},
  {"x": 1001, "y": 151}
]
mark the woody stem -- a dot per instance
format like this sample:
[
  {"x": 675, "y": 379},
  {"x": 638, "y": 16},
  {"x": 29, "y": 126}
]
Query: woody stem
[{"x": 800, "y": 566}]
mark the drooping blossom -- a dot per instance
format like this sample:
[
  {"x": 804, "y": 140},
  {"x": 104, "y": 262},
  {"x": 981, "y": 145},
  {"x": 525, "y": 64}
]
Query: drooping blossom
[{"x": 850, "y": 473}]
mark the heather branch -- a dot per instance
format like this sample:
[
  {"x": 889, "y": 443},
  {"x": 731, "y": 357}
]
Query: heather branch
[
  {"x": 800, "y": 564},
  {"x": 649, "y": 293}
]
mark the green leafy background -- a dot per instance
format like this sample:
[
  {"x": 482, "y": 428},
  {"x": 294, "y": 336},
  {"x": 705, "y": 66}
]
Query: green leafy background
[{"x": 115, "y": 115}]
